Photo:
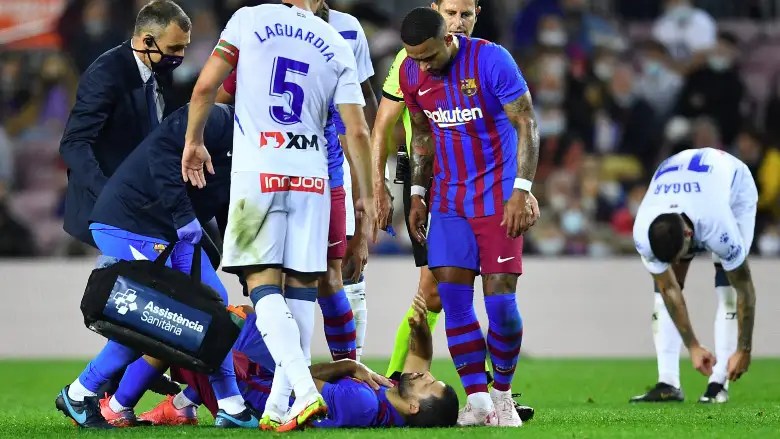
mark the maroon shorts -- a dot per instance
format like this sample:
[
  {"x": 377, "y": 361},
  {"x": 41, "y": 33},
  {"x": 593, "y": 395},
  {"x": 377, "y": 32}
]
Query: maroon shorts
[
  {"x": 479, "y": 244},
  {"x": 198, "y": 382},
  {"x": 253, "y": 381},
  {"x": 337, "y": 232}
]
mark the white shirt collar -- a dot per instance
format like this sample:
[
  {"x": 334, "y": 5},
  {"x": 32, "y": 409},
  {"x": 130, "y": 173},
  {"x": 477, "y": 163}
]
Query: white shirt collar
[{"x": 145, "y": 71}]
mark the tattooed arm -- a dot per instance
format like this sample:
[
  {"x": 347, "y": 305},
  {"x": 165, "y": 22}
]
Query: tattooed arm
[
  {"x": 422, "y": 150},
  {"x": 740, "y": 279},
  {"x": 521, "y": 113},
  {"x": 702, "y": 359},
  {"x": 742, "y": 282},
  {"x": 422, "y": 169},
  {"x": 517, "y": 217}
]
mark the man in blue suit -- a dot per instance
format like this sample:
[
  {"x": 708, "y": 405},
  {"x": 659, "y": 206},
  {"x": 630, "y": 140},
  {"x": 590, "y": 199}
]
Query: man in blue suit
[{"x": 120, "y": 100}]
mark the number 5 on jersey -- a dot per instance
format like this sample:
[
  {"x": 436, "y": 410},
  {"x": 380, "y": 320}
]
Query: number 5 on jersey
[{"x": 290, "y": 113}]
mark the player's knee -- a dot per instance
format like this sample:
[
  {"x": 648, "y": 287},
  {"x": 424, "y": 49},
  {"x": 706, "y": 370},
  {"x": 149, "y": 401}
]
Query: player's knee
[
  {"x": 499, "y": 283},
  {"x": 301, "y": 280},
  {"x": 454, "y": 275},
  {"x": 264, "y": 276}
]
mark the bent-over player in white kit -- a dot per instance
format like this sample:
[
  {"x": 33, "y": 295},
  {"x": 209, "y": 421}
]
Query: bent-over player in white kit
[
  {"x": 701, "y": 200},
  {"x": 290, "y": 66}
]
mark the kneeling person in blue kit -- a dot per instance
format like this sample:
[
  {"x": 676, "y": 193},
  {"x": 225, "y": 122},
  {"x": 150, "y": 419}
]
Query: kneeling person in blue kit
[{"x": 144, "y": 207}]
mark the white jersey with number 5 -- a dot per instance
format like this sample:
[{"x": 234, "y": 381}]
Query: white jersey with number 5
[
  {"x": 290, "y": 66},
  {"x": 716, "y": 191}
]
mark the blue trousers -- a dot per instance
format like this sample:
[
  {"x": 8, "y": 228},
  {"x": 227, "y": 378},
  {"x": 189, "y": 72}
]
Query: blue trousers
[{"x": 121, "y": 244}]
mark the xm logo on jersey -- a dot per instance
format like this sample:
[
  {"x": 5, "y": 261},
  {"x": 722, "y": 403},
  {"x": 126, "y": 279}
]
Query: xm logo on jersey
[
  {"x": 278, "y": 139},
  {"x": 452, "y": 118},
  {"x": 286, "y": 183},
  {"x": 156, "y": 315}
]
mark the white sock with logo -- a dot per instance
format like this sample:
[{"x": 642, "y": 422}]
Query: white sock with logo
[
  {"x": 726, "y": 332},
  {"x": 356, "y": 294},
  {"x": 668, "y": 344},
  {"x": 282, "y": 337}
]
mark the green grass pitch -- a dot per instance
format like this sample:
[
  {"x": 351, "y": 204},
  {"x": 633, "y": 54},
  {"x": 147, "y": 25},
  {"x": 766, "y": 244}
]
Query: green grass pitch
[{"x": 573, "y": 399}]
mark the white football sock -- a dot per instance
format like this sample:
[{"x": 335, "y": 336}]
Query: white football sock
[
  {"x": 180, "y": 401},
  {"x": 232, "y": 405},
  {"x": 115, "y": 406},
  {"x": 668, "y": 343},
  {"x": 278, "y": 401},
  {"x": 78, "y": 392},
  {"x": 726, "y": 332},
  {"x": 282, "y": 337},
  {"x": 356, "y": 294},
  {"x": 303, "y": 313}
]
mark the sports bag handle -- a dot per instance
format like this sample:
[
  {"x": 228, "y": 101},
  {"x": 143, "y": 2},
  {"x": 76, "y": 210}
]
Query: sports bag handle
[{"x": 194, "y": 268}]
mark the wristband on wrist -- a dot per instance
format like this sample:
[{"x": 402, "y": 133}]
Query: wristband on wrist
[
  {"x": 418, "y": 190},
  {"x": 523, "y": 184}
]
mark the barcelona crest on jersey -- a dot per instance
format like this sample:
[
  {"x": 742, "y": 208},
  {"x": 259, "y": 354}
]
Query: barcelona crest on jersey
[{"x": 468, "y": 86}]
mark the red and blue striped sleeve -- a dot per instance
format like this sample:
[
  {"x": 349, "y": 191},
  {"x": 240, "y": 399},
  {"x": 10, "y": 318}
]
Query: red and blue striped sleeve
[
  {"x": 506, "y": 80},
  {"x": 409, "y": 76}
]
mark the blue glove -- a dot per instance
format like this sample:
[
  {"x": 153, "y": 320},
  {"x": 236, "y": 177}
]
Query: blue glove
[
  {"x": 390, "y": 230},
  {"x": 192, "y": 232}
]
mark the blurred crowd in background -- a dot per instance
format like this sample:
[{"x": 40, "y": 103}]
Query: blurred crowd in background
[{"x": 617, "y": 86}]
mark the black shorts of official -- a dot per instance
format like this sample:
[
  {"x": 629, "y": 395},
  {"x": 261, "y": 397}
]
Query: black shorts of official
[{"x": 419, "y": 251}]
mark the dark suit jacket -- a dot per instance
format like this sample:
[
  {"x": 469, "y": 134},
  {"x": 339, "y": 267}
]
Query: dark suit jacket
[{"x": 109, "y": 119}]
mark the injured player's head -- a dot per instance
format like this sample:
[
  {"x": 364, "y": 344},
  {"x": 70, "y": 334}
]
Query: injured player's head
[{"x": 425, "y": 401}]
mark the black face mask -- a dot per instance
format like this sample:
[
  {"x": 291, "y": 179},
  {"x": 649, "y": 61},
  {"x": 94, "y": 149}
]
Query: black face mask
[{"x": 166, "y": 64}]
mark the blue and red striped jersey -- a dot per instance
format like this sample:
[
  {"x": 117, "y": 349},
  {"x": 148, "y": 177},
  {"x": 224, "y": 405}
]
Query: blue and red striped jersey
[{"x": 475, "y": 143}]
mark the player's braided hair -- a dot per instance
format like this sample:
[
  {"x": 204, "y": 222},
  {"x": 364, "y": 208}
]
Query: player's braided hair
[
  {"x": 421, "y": 24},
  {"x": 666, "y": 236}
]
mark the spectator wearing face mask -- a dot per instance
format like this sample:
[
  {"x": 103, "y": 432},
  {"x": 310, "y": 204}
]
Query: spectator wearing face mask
[
  {"x": 51, "y": 97},
  {"x": 585, "y": 30},
  {"x": 658, "y": 84},
  {"x": 87, "y": 29},
  {"x": 716, "y": 89},
  {"x": 625, "y": 125},
  {"x": 687, "y": 32}
]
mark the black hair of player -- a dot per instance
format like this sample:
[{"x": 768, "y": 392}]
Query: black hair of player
[
  {"x": 156, "y": 15},
  {"x": 437, "y": 412},
  {"x": 421, "y": 24},
  {"x": 667, "y": 236}
]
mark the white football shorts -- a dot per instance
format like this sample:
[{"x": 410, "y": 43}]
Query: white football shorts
[{"x": 279, "y": 221}]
